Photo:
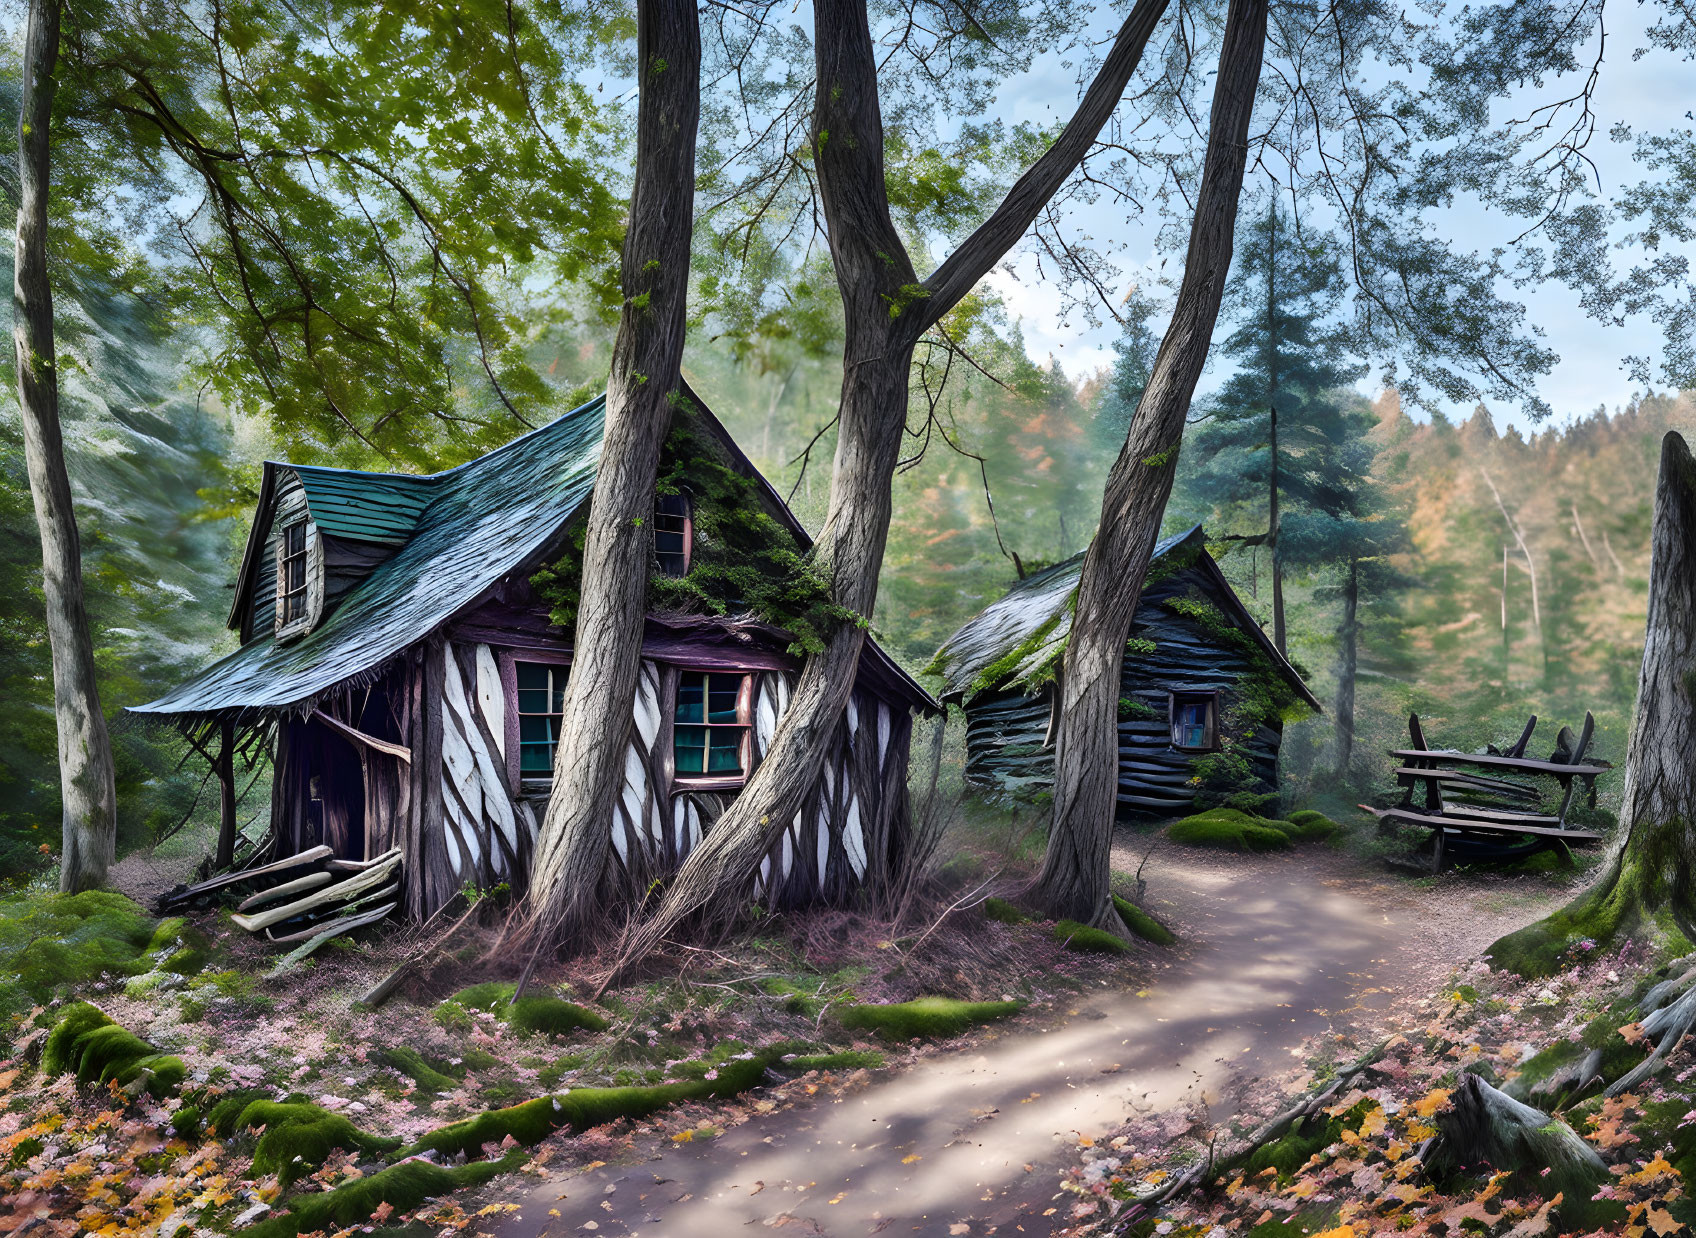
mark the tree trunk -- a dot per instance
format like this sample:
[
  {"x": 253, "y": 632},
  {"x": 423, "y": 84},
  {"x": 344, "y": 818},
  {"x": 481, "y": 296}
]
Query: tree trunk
[
  {"x": 570, "y": 873},
  {"x": 886, "y": 310},
  {"x": 1488, "y": 1130},
  {"x": 1650, "y": 870},
  {"x": 90, "y": 802},
  {"x": 226, "y": 798},
  {"x": 1348, "y": 639},
  {"x": 1074, "y": 880},
  {"x": 1273, "y": 523}
]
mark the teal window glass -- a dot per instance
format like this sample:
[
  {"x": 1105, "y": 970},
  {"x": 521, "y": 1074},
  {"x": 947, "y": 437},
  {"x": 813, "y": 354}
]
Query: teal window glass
[
  {"x": 1193, "y": 721},
  {"x": 541, "y": 705},
  {"x": 709, "y": 734},
  {"x": 671, "y": 534}
]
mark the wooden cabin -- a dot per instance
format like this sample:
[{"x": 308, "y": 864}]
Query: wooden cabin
[
  {"x": 1204, "y": 694},
  {"x": 402, "y": 668}
]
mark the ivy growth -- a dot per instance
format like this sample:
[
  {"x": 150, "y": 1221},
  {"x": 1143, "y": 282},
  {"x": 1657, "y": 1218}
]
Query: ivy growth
[{"x": 743, "y": 560}]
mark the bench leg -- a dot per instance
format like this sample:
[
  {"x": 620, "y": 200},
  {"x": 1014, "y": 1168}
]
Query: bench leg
[{"x": 1436, "y": 851}]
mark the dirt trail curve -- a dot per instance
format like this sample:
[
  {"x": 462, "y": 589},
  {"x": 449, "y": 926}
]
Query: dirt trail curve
[{"x": 970, "y": 1143}]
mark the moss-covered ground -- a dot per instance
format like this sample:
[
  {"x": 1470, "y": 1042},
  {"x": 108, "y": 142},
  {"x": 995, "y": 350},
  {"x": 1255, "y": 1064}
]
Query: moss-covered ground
[{"x": 924, "y": 1016}]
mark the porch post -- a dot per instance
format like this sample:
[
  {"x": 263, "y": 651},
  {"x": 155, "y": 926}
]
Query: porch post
[{"x": 226, "y": 769}]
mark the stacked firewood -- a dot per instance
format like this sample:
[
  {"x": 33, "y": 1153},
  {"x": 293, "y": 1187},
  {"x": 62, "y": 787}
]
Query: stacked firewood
[{"x": 310, "y": 897}]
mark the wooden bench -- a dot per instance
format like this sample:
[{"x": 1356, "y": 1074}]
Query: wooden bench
[{"x": 1443, "y": 829}]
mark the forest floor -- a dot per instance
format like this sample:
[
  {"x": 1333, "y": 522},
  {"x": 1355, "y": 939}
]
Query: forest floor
[{"x": 1283, "y": 960}]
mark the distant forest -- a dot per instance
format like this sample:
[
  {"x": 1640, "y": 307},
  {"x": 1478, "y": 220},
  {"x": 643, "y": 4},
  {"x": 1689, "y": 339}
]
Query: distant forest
[{"x": 166, "y": 478}]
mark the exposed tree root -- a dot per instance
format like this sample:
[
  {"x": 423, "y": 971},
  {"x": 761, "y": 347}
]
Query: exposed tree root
[
  {"x": 1484, "y": 1126},
  {"x": 1272, "y": 1131},
  {"x": 1667, "y": 1027}
]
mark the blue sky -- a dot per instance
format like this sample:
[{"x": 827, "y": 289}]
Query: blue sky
[{"x": 1653, "y": 93}]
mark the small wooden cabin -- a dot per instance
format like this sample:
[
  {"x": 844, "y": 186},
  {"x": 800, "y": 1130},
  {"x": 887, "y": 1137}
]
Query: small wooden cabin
[
  {"x": 1203, "y": 699},
  {"x": 406, "y": 677}
]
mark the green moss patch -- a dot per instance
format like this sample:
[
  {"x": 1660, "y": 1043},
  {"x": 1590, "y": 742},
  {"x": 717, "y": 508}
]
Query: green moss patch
[
  {"x": 224, "y": 1115},
  {"x": 298, "y": 1138},
  {"x": 416, "y": 1067},
  {"x": 87, "y": 1043},
  {"x": 927, "y": 1016},
  {"x": 1142, "y": 924},
  {"x": 1003, "y": 912},
  {"x": 1315, "y": 1134},
  {"x": 1230, "y": 829},
  {"x": 1087, "y": 940},
  {"x": 583, "y": 1108},
  {"x": 847, "y": 1059},
  {"x": 1312, "y": 825},
  {"x": 535, "y": 1014},
  {"x": 403, "y": 1187},
  {"x": 49, "y": 942}
]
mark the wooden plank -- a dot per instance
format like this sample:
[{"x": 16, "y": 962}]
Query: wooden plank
[
  {"x": 1504, "y": 816},
  {"x": 310, "y": 856},
  {"x": 336, "y": 927},
  {"x": 1455, "y": 826},
  {"x": 300, "y": 884},
  {"x": 1523, "y": 764},
  {"x": 359, "y": 866},
  {"x": 360, "y": 737},
  {"x": 357, "y": 884},
  {"x": 384, "y": 895},
  {"x": 1459, "y": 779}
]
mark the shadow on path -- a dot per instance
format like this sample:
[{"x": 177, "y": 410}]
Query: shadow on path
[{"x": 971, "y": 1143}]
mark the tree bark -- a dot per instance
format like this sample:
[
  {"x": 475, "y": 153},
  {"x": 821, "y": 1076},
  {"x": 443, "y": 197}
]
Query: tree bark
[
  {"x": 1348, "y": 639},
  {"x": 1074, "y": 879},
  {"x": 87, "y": 789},
  {"x": 886, "y": 310},
  {"x": 1273, "y": 522},
  {"x": 1486, "y": 1127},
  {"x": 226, "y": 853},
  {"x": 570, "y": 873},
  {"x": 1650, "y": 871}
]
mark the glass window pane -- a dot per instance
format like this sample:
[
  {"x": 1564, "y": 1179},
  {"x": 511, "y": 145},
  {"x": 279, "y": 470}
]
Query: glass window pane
[
  {"x": 722, "y": 691},
  {"x": 532, "y": 701},
  {"x": 536, "y": 758},
  {"x": 532, "y": 675},
  {"x": 558, "y": 693},
  {"x": 726, "y": 754},
  {"x": 688, "y": 748},
  {"x": 691, "y": 689},
  {"x": 535, "y": 728}
]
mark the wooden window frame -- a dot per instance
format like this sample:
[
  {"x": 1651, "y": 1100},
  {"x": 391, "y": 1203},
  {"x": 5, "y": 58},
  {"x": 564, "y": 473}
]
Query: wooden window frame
[
  {"x": 688, "y": 530},
  {"x": 311, "y": 592},
  {"x": 508, "y": 660},
  {"x": 744, "y": 720},
  {"x": 1173, "y": 699}
]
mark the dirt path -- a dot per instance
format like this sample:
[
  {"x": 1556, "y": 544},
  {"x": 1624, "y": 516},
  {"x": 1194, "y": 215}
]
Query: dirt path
[{"x": 1276, "y": 950}]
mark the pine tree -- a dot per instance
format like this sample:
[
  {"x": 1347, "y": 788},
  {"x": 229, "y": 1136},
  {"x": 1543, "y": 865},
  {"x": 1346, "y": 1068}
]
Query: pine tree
[{"x": 1281, "y": 435}]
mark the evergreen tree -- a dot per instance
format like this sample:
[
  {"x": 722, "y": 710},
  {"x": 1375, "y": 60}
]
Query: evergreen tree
[
  {"x": 1134, "y": 362},
  {"x": 1281, "y": 435}
]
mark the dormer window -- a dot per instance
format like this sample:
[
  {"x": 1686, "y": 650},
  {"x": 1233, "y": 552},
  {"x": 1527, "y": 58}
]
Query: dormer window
[
  {"x": 673, "y": 533},
  {"x": 291, "y": 574},
  {"x": 300, "y": 579}
]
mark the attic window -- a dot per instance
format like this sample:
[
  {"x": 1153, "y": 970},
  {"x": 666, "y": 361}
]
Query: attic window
[
  {"x": 711, "y": 725},
  {"x": 673, "y": 533},
  {"x": 291, "y": 574},
  {"x": 1195, "y": 721}
]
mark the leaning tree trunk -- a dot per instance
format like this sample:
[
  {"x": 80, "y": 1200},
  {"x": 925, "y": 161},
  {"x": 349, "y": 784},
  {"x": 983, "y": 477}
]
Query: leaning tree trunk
[
  {"x": 1074, "y": 880},
  {"x": 90, "y": 801},
  {"x": 569, "y": 877},
  {"x": 886, "y": 310},
  {"x": 1274, "y": 520},
  {"x": 1348, "y": 638},
  {"x": 1650, "y": 870}
]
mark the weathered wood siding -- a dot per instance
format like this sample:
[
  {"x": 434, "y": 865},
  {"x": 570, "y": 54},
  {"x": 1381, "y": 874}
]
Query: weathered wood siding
[{"x": 1005, "y": 731}]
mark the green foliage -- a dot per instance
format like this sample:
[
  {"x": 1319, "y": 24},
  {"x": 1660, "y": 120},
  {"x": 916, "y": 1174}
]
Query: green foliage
[
  {"x": 743, "y": 560},
  {"x": 1142, "y": 924},
  {"x": 999, "y": 909},
  {"x": 299, "y": 1137},
  {"x": 936, "y": 1017},
  {"x": 1230, "y": 829},
  {"x": 1132, "y": 710},
  {"x": 998, "y": 672},
  {"x": 1313, "y": 1135},
  {"x": 223, "y": 1119},
  {"x": 1086, "y": 940}
]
